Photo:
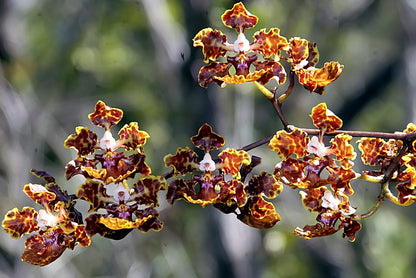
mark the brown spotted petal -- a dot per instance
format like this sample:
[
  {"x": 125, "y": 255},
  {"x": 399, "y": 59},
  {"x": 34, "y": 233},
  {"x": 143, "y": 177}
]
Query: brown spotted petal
[
  {"x": 116, "y": 167},
  {"x": 114, "y": 223},
  {"x": 407, "y": 190},
  {"x": 291, "y": 172},
  {"x": 351, "y": 227},
  {"x": 239, "y": 79},
  {"x": 146, "y": 190},
  {"x": 42, "y": 174},
  {"x": 341, "y": 178},
  {"x": 180, "y": 189},
  {"x": 325, "y": 119},
  {"x": 303, "y": 53},
  {"x": 152, "y": 221},
  {"x": 231, "y": 161},
  {"x": 38, "y": 193},
  {"x": 95, "y": 194},
  {"x": 185, "y": 189},
  {"x": 266, "y": 184},
  {"x": 273, "y": 70},
  {"x": 239, "y": 18},
  {"x": 47, "y": 246},
  {"x": 207, "y": 140},
  {"x": 76, "y": 167},
  {"x": 18, "y": 223},
  {"x": 410, "y": 128},
  {"x": 211, "y": 73},
  {"x": 315, "y": 79},
  {"x": 312, "y": 198},
  {"x": 232, "y": 192},
  {"x": 343, "y": 150},
  {"x": 376, "y": 151},
  {"x": 81, "y": 236},
  {"x": 105, "y": 116},
  {"x": 287, "y": 144},
  {"x": 206, "y": 194},
  {"x": 183, "y": 162},
  {"x": 317, "y": 230},
  {"x": 242, "y": 63},
  {"x": 213, "y": 43},
  {"x": 93, "y": 227},
  {"x": 258, "y": 213},
  {"x": 270, "y": 43},
  {"x": 83, "y": 140},
  {"x": 131, "y": 137}
]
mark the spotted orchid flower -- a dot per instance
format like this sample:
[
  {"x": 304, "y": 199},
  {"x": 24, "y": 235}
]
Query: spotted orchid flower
[
  {"x": 240, "y": 54},
  {"x": 52, "y": 229},
  {"x": 304, "y": 56},
  {"x": 309, "y": 165},
  {"x": 239, "y": 61},
  {"x": 109, "y": 163},
  {"x": 220, "y": 182}
]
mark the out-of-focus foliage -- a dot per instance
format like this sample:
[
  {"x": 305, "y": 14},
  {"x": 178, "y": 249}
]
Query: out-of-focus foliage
[{"x": 59, "y": 57}]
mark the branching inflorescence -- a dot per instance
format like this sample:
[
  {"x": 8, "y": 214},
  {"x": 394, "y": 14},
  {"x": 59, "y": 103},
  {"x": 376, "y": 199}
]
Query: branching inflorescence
[{"x": 321, "y": 172}]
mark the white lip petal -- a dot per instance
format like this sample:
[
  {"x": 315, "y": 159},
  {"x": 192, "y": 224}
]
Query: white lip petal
[
  {"x": 241, "y": 44},
  {"x": 207, "y": 164},
  {"x": 107, "y": 142}
]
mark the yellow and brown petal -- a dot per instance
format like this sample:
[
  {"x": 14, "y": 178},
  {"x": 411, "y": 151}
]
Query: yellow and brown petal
[
  {"x": 18, "y": 223},
  {"x": 114, "y": 223},
  {"x": 406, "y": 196},
  {"x": 340, "y": 179},
  {"x": 183, "y": 162},
  {"x": 315, "y": 79},
  {"x": 317, "y": 230},
  {"x": 312, "y": 198},
  {"x": 239, "y": 79},
  {"x": 376, "y": 151},
  {"x": 213, "y": 43},
  {"x": 178, "y": 189},
  {"x": 83, "y": 140},
  {"x": 266, "y": 184},
  {"x": 407, "y": 189},
  {"x": 269, "y": 43},
  {"x": 39, "y": 194},
  {"x": 231, "y": 161},
  {"x": 273, "y": 70},
  {"x": 47, "y": 246},
  {"x": 207, "y": 194},
  {"x": 207, "y": 140},
  {"x": 351, "y": 227},
  {"x": 232, "y": 191},
  {"x": 239, "y": 18},
  {"x": 105, "y": 116},
  {"x": 287, "y": 144},
  {"x": 303, "y": 54},
  {"x": 211, "y": 73},
  {"x": 131, "y": 137},
  {"x": 343, "y": 150},
  {"x": 145, "y": 190},
  {"x": 325, "y": 119},
  {"x": 292, "y": 172},
  {"x": 116, "y": 167},
  {"x": 95, "y": 194},
  {"x": 152, "y": 223},
  {"x": 258, "y": 213}
]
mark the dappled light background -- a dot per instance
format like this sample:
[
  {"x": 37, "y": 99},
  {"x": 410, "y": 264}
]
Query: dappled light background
[{"x": 58, "y": 58}]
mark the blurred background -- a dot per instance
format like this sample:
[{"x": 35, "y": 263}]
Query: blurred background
[{"x": 58, "y": 58}]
